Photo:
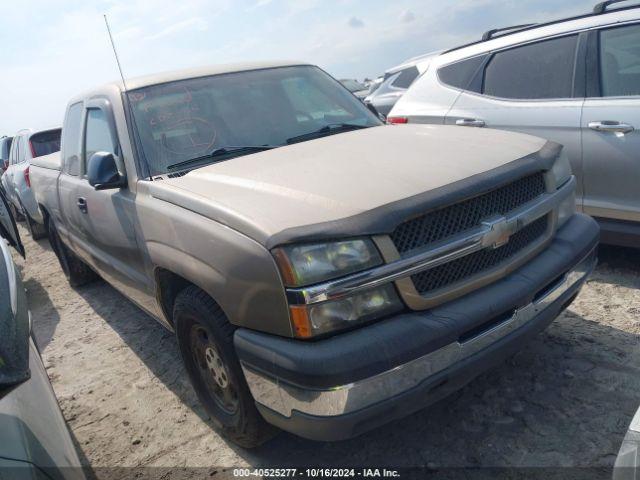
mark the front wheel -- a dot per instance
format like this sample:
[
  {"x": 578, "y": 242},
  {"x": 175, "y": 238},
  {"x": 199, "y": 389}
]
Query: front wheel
[{"x": 205, "y": 338}]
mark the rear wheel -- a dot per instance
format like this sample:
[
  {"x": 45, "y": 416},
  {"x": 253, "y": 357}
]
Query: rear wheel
[
  {"x": 36, "y": 230},
  {"x": 17, "y": 214},
  {"x": 77, "y": 272},
  {"x": 205, "y": 338}
]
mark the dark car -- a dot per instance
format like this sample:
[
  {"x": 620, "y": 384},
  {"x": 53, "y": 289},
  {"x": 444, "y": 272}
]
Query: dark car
[{"x": 34, "y": 439}]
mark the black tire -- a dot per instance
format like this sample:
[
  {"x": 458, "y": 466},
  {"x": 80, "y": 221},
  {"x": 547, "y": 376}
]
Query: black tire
[
  {"x": 203, "y": 329},
  {"x": 77, "y": 272},
  {"x": 36, "y": 230},
  {"x": 17, "y": 214}
]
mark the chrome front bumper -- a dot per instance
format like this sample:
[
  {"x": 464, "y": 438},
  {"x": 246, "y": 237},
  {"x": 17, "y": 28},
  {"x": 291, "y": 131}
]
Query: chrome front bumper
[{"x": 285, "y": 398}]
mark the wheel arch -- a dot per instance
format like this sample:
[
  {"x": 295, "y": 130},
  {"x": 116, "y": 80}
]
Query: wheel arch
[
  {"x": 45, "y": 216},
  {"x": 237, "y": 273},
  {"x": 168, "y": 286},
  {"x": 176, "y": 270}
]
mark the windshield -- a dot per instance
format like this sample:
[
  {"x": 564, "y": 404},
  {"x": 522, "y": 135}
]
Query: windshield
[{"x": 187, "y": 119}]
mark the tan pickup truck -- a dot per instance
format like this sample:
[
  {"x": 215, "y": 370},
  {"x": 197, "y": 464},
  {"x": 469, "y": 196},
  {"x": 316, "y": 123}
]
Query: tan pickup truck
[{"x": 323, "y": 272}]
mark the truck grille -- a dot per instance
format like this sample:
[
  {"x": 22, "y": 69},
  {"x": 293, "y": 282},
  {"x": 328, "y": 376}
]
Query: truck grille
[
  {"x": 448, "y": 221},
  {"x": 464, "y": 268}
]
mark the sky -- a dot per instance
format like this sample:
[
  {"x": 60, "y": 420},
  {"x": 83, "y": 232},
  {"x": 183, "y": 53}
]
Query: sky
[{"x": 52, "y": 50}]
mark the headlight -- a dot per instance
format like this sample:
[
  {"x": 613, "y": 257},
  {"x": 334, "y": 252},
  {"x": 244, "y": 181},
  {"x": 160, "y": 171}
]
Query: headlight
[
  {"x": 561, "y": 172},
  {"x": 313, "y": 263},
  {"x": 566, "y": 209},
  {"x": 561, "y": 169},
  {"x": 320, "y": 318}
]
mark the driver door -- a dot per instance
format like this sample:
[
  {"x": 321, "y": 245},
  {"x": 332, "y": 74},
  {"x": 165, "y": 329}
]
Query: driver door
[
  {"x": 108, "y": 217},
  {"x": 611, "y": 126}
]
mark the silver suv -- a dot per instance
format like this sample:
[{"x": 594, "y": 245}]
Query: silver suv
[
  {"x": 395, "y": 82},
  {"x": 574, "y": 81}
]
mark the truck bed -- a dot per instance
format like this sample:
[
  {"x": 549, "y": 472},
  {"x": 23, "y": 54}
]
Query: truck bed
[
  {"x": 51, "y": 161},
  {"x": 44, "y": 174}
]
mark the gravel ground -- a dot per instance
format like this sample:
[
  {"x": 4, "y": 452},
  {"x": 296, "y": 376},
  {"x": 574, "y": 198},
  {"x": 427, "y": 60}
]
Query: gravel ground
[{"x": 565, "y": 400}]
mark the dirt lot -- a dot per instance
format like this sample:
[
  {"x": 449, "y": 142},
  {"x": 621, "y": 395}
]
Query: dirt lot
[{"x": 565, "y": 400}]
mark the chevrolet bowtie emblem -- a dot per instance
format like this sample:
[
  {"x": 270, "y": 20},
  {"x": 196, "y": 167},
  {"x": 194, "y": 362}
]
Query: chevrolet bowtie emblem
[{"x": 499, "y": 232}]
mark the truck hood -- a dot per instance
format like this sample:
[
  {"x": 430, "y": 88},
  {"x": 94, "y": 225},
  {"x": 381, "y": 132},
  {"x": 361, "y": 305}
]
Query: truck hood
[{"x": 328, "y": 181}]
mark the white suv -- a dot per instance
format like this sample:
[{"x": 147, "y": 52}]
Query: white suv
[{"x": 575, "y": 81}]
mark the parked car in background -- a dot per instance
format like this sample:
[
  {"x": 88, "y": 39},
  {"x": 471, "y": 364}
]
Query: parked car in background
[
  {"x": 27, "y": 145},
  {"x": 34, "y": 438},
  {"x": 5, "y": 147},
  {"x": 355, "y": 87},
  {"x": 304, "y": 252},
  {"x": 395, "y": 82},
  {"x": 575, "y": 81},
  {"x": 374, "y": 85}
]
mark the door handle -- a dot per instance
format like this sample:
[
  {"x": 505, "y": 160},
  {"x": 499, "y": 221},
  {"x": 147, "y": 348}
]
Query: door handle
[
  {"x": 82, "y": 204},
  {"x": 470, "y": 122},
  {"x": 611, "y": 126}
]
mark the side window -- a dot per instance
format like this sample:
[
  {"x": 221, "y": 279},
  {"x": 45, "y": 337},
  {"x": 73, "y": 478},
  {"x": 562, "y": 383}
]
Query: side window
[
  {"x": 71, "y": 140},
  {"x": 620, "y": 61},
  {"x": 460, "y": 74},
  {"x": 5, "y": 149},
  {"x": 535, "y": 71},
  {"x": 406, "y": 78},
  {"x": 97, "y": 137},
  {"x": 12, "y": 151},
  {"x": 17, "y": 152}
]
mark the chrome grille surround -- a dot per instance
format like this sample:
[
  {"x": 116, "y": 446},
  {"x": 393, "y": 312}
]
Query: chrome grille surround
[
  {"x": 471, "y": 265},
  {"x": 490, "y": 233},
  {"x": 452, "y": 219},
  {"x": 511, "y": 250}
]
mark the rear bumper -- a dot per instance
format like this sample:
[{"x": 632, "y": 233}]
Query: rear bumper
[{"x": 343, "y": 386}]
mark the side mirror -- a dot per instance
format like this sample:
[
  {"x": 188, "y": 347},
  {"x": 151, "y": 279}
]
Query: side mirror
[
  {"x": 102, "y": 172},
  {"x": 5, "y": 165}
]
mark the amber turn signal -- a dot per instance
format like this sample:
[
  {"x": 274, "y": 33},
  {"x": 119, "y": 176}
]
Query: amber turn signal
[{"x": 300, "y": 321}]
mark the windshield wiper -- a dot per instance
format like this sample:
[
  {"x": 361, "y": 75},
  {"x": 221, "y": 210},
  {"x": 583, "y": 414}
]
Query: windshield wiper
[
  {"x": 221, "y": 152},
  {"x": 326, "y": 130}
]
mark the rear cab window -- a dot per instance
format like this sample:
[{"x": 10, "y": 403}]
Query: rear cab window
[{"x": 45, "y": 143}]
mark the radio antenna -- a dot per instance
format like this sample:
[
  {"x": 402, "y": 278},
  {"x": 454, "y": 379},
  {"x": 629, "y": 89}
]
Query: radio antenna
[
  {"x": 115, "y": 52},
  {"x": 126, "y": 89}
]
